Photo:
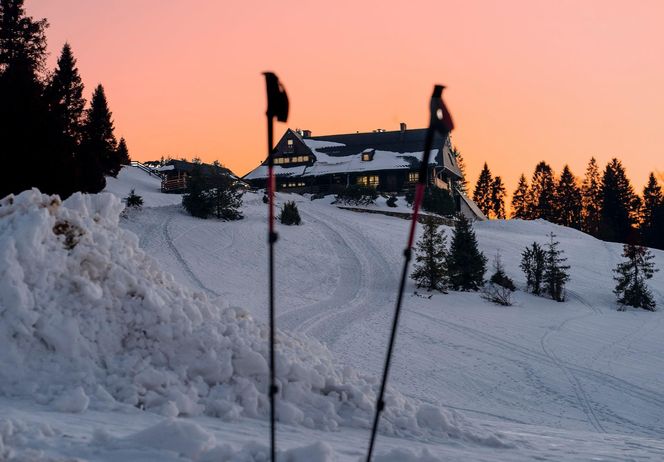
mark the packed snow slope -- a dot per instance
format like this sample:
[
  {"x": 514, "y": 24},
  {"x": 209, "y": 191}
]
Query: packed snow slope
[{"x": 101, "y": 329}]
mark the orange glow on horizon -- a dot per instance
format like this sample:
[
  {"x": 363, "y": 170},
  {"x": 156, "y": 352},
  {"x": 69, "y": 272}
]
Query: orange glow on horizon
[{"x": 526, "y": 80}]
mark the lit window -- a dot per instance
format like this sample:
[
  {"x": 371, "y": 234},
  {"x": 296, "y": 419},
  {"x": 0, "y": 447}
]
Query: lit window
[
  {"x": 286, "y": 160},
  {"x": 368, "y": 180},
  {"x": 366, "y": 157},
  {"x": 290, "y": 143},
  {"x": 413, "y": 177}
]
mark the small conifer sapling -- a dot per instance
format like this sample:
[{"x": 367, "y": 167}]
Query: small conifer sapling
[
  {"x": 290, "y": 215},
  {"x": 430, "y": 271},
  {"x": 631, "y": 276}
]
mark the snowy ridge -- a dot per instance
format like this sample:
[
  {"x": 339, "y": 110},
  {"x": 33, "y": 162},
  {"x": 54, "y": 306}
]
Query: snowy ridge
[{"x": 88, "y": 320}]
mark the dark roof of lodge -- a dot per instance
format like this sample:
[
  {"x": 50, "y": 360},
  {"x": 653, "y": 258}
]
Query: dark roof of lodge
[{"x": 411, "y": 140}]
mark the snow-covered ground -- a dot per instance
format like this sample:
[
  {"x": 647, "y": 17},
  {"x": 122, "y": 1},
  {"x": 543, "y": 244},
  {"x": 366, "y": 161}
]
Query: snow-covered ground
[{"x": 471, "y": 381}]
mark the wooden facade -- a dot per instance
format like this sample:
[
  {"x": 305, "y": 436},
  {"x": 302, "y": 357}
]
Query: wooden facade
[{"x": 175, "y": 174}]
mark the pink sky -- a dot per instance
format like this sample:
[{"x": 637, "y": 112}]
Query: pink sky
[{"x": 526, "y": 80}]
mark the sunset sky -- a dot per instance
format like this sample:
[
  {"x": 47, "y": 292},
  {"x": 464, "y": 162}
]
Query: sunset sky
[{"x": 526, "y": 80}]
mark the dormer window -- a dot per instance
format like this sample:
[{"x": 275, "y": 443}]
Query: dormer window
[{"x": 368, "y": 155}]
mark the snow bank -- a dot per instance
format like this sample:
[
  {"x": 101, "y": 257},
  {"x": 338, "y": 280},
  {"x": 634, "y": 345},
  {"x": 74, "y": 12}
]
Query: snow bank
[{"x": 88, "y": 319}]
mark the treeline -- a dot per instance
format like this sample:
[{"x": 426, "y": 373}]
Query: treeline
[
  {"x": 48, "y": 138},
  {"x": 461, "y": 266},
  {"x": 602, "y": 204}
]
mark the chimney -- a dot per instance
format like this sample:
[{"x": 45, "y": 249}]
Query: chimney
[
  {"x": 403, "y": 127},
  {"x": 306, "y": 133}
]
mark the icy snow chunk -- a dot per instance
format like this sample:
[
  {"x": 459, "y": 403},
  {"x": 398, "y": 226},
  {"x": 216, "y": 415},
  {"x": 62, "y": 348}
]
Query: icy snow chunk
[
  {"x": 74, "y": 401},
  {"x": 180, "y": 436},
  {"x": 250, "y": 363},
  {"x": 406, "y": 455}
]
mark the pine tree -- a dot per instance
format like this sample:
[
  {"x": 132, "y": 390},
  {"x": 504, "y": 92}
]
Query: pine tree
[
  {"x": 24, "y": 132},
  {"x": 430, "y": 271},
  {"x": 632, "y": 275},
  {"x": 466, "y": 265},
  {"x": 542, "y": 189},
  {"x": 555, "y": 271},
  {"x": 591, "y": 199},
  {"x": 122, "y": 153},
  {"x": 64, "y": 94},
  {"x": 225, "y": 196},
  {"x": 22, "y": 39},
  {"x": 568, "y": 200},
  {"x": 652, "y": 201},
  {"x": 134, "y": 200},
  {"x": 99, "y": 146},
  {"x": 498, "y": 198},
  {"x": 532, "y": 264},
  {"x": 482, "y": 192},
  {"x": 290, "y": 215},
  {"x": 619, "y": 204},
  {"x": 462, "y": 184},
  {"x": 196, "y": 200},
  {"x": 520, "y": 205}
]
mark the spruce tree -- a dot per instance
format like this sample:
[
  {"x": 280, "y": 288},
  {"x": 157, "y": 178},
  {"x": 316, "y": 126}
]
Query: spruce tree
[
  {"x": 64, "y": 94},
  {"x": 542, "y": 189},
  {"x": 462, "y": 184},
  {"x": 498, "y": 198},
  {"x": 22, "y": 39},
  {"x": 482, "y": 192},
  {"x": 568, "y": 200},
  {"x": 619, "y": 204},
  {"x": 429, "y": 270},
  {"x": 591, "y": 199},
  {"x": 652, "y": 201},
  {"x": 466, "y": 265},
  {"x": 520, "y": 205},
  {"x": 632, "y": 274},
  {"x": 555, "y": 270},
  {"x": 122, "y": 153},
  {"x": 225, "y": 196},
  {"x": 99, "y": 146},
  {"x": 532, "y": 264},
  {"x": 24, "y": 131},
  {"x": 290, "y": 215},
  {"x": 196, "y": 199}
]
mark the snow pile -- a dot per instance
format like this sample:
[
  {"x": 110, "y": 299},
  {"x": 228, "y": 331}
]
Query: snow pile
[
  {"x": 88, "y": 319},
  {"x": 190, "y": 440}
]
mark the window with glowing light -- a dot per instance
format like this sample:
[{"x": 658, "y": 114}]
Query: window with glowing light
[{"x": 368, "y": 180}]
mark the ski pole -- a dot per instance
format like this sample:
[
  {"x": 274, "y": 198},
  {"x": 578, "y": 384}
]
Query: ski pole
[
  {"x": 439, "y": 122},
  {"x": 277, "y": 106}
]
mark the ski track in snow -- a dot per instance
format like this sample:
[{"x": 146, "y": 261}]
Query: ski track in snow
[
  {"x": 535, "y": 357},
  {"x": 176, "y": 253},
  {"x": 365, "y": 281}
]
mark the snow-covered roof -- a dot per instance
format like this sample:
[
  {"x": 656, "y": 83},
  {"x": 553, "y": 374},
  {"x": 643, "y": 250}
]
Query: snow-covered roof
[{"x": 343, "y": 154}]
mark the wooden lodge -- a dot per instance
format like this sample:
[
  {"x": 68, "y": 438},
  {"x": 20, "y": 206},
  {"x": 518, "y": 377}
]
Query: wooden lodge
[
  {"x": 175, "y": 174},
  {"x": 386, "y": 160}
]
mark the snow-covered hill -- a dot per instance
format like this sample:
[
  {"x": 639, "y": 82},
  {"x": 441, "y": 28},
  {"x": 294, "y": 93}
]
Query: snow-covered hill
[{"x": 471, "y": 381}]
